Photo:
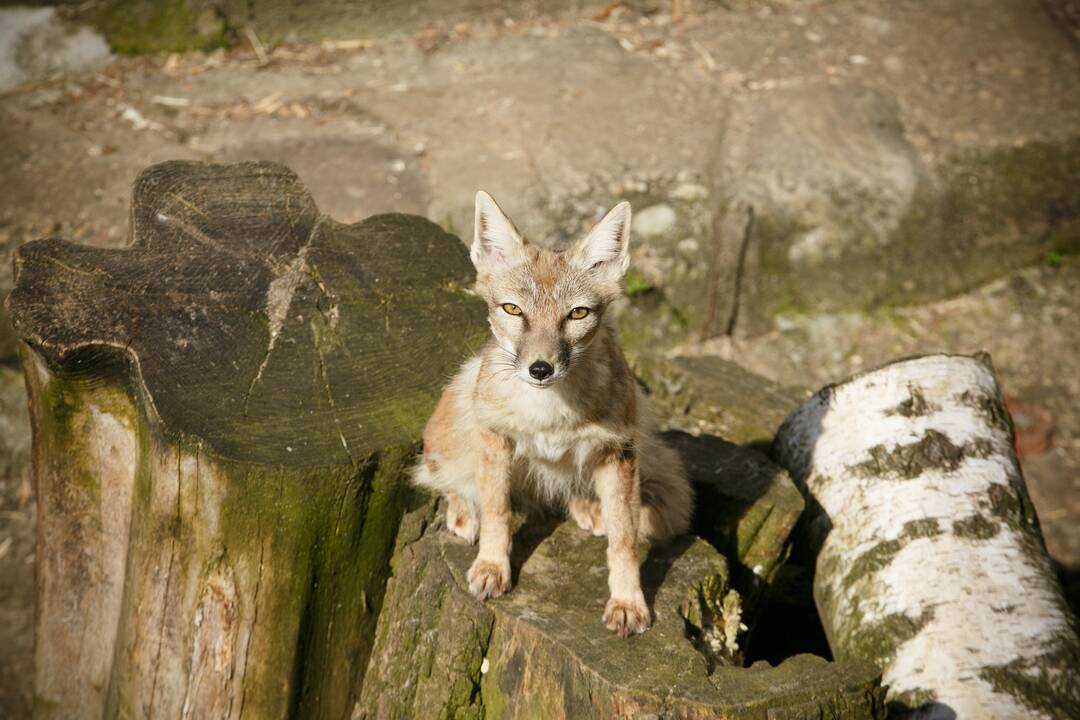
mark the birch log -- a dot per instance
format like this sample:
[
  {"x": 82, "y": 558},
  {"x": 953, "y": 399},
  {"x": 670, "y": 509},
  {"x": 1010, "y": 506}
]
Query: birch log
[
  {"x": 223, "y": 414},
  {"x": 930, "y": 562}
]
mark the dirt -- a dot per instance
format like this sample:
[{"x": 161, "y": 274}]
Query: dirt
[
  {"x": 547, "y": 111},
  {"x": 17, "y": 523}
]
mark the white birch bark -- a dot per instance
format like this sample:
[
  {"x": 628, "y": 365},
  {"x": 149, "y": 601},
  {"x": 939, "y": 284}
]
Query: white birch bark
[{"x": 930, "y": 561}]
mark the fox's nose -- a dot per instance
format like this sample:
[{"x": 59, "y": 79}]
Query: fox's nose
[{"x": 541, "y": 370}]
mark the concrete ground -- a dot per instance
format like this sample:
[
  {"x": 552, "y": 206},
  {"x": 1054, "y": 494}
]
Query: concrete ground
[{"x": 558, "y": 117}]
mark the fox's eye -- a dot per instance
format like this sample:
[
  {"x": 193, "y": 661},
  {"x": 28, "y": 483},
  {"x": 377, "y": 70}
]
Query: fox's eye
[
  {"x": 511, "y": 309},
  {"x": 578, "y": 313}
]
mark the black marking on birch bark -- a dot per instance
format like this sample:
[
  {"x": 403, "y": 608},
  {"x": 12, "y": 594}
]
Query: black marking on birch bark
[
  {"x": 915, "y": 406},
  {"x": 975, "y": 527},
  {"x": 878, "y": 640},
  {"x": 990, "y": 407},
  {"x": 883, "y": 553},
  {"x": 935, "y": 451},
  {"x": 1011, "y": 506},
  {"x": 1028, "y": 681}
]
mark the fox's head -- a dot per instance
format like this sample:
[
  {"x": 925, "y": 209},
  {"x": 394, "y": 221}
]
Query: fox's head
[{"x": 546, "y": 306}]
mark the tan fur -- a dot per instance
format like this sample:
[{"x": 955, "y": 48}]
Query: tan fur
[{"x": 582, "y": 439}]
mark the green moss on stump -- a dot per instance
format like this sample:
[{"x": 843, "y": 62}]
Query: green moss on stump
[
  {"x": 549, "y": 655},
  {"x": 134, "y": 27}
]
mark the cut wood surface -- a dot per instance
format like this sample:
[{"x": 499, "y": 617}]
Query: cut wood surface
[
  {"x": 929, "y": 558},
  {"x": 268, "y": 331},
  {"x": 709, "y": 395},
  {"x": 223, "y": 414},
  {"x": 542, "y": 651}
]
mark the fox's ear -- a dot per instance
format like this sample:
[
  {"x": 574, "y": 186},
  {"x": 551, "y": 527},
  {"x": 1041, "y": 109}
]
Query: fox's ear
[
  {"x": 496, "y": 243},
  {"x": 606, "y": 249}
]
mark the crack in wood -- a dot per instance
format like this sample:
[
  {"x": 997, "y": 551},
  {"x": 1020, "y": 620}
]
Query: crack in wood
[
  {"x": 330, "y": 395},
  {"x": 251, "y": 631},
  {"x": 168, "y": 584},
  {"x": 198, "y": 235},
  {"x": 720, "y": 255},
  {"x": 279, "y": 297},
  {"x": 740, "y": 270}
]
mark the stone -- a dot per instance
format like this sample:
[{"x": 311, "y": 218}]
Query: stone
[
  {"x": 689, "y": 192},
  {"x": 654, "y": 220},
  {"x": 35, "y": 43},
  {"x": 825, "y": 169},
  {"x": 828, "y": 207}
]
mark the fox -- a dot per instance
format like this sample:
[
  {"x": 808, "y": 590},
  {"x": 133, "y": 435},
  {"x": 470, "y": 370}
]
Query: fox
[{"x": 549, "y": 410}]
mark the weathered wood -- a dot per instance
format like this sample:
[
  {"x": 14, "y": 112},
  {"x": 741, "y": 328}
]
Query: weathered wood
[
  {"x": 929, "y": 557},
  {"x": 222, "y": 416},
  {"x": 713, "y": 396},
  {"x": 746, "y": 506},
  {"x": 540, "y": 652}
]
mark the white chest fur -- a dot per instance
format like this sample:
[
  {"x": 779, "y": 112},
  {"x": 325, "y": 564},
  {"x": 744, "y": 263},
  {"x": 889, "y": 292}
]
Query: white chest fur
[
  {"x": 551, "y": 447},
  {"x": 554, "y": 442}
]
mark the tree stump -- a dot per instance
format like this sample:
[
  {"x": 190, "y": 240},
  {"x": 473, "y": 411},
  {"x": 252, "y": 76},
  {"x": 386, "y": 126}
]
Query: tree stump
[
  {"x": 930, "y": 562},
  {"x": 709, "y": 395},
  {"x": 222, "y": 415},
  {"x": 542, "y": 651}
]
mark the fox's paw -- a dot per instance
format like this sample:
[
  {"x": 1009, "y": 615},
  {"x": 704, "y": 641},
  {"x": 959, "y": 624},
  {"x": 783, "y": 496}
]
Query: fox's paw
[
  {"x": 489, "y": 579},
  {"x": 461, "y": 521},
  {"x": 627, "y": 617},
  {"x": 586, "y": 513}
]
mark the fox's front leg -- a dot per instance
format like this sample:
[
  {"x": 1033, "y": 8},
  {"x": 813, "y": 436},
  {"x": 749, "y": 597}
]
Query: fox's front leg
[
  {"x": 489, "y": 575},
  {"x": 618, "y": 487}
]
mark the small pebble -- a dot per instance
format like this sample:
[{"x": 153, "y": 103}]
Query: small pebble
[
  {"x": 654, "y": 220},
  {"x": 689, "y": 192}
]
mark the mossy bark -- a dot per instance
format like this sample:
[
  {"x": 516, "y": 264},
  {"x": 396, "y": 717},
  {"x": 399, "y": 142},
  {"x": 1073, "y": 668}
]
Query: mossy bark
[
  {"x": 223, "y": 416},
  {"x": 930, "y": 563},
  {"x": 542, "y": 651},
  {"x": 187, "y": 585},
  {"x": 746, "y": 506}
]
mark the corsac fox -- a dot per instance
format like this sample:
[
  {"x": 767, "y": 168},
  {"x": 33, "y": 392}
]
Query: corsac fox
[{"x": 549, "y": 409}]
